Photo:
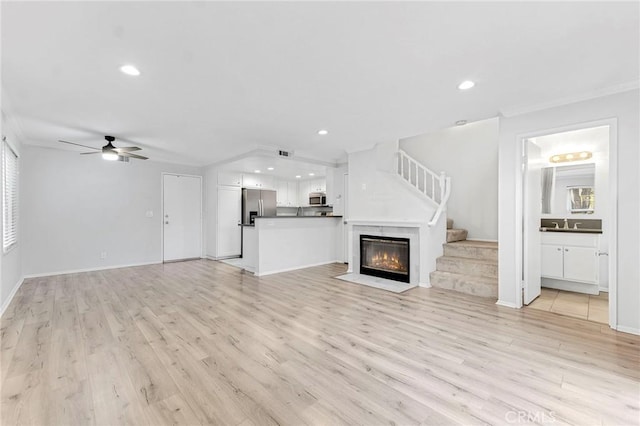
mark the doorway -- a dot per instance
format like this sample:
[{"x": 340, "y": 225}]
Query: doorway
[
  {"x": 568, "y": 221},
  {"x": 181, "y": 217}
]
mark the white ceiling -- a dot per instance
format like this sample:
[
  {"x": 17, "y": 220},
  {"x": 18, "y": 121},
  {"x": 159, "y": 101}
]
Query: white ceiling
[{"x": 221, "y": 79}]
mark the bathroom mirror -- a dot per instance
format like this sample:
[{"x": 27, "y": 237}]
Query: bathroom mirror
[{"x": 568, "y": 189}]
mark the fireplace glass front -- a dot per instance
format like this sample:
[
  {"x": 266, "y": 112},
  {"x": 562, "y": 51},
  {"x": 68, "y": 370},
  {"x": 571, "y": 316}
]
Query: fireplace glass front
[{"x": 385, "y": 257}]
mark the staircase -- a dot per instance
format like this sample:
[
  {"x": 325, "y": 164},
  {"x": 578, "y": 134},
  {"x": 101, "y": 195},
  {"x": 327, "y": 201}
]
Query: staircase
[{"x": 469, "y": 267}]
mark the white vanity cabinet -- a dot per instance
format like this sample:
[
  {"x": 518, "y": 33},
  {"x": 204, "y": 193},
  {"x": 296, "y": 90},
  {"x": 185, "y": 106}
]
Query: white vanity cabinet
[{"x": 569, "y": 261}]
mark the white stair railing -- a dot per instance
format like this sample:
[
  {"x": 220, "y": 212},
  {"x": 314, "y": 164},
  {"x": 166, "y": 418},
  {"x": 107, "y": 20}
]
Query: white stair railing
[{"x": 436, "y": 187}]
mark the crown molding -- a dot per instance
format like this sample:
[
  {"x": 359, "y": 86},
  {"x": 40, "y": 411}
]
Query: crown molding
[{"x": 598, "y": 93}]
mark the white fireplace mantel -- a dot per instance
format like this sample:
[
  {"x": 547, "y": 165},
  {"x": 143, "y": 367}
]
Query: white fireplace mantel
[{"x": 397, "y": 224}]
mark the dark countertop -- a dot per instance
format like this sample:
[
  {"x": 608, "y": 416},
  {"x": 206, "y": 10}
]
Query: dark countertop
[
  {"x": 294, "y": 217},
  {"x": 288, "y": 217},
  {"x": 571, "y": 231}
]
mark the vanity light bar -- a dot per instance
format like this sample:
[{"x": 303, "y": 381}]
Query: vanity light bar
[{"x": 570, "y": 156}]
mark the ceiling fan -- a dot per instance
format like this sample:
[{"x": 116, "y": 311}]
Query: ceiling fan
[{"x": 110, "y": 152}]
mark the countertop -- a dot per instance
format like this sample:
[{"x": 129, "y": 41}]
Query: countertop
[
  {"x": 571, "y": 230},
  {"x": 290, "y": 217}
]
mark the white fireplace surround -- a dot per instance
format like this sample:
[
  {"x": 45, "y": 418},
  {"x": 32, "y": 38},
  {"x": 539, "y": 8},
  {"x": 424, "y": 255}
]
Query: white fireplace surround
[{"x": 410, "y": 230}]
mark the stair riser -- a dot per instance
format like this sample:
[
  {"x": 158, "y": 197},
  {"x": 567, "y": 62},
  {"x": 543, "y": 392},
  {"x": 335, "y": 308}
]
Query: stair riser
[
  {"x": 467, "y": 267},
  {"x": 465, "y": 286},
  {"x": 471, "y": 252},
  {"x": 456, "y": 235}
]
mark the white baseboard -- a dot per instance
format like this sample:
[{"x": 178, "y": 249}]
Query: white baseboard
[
  {"x": 262, "y": 274},
  {"x": 424, "y": 285},
  {"x": 101, "y": 268},
  {"x": 221, "y": 257},
  {"x": 629, "y": 330},
  {"x": 507, "y": 304},
  {"x": 604, "y": 289},
  {"x": 14, "y": 290}
]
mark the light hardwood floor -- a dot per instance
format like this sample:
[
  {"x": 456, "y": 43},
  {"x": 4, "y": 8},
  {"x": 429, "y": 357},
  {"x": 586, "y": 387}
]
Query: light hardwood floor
[{"x": 201, "y": 342}]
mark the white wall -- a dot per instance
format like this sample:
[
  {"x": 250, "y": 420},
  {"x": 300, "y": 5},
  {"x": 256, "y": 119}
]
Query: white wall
[
  {"x": 75, "y": 207},
  {"x": 11, "y": 262},
  {"x": 623, "y": 107},
  {"x": 469, "y": 155},
  {"x": 377, "y": 193}
]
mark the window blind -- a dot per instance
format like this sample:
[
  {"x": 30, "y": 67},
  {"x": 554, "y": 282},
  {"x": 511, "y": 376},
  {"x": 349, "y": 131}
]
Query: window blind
[{"x": 9, "y": 197}]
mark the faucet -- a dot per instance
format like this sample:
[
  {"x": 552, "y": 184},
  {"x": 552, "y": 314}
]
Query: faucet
[
  {"x": 556, "y": 224},
  {"x": 575, "y": 225},
  {"x": 566, "y": 224}
]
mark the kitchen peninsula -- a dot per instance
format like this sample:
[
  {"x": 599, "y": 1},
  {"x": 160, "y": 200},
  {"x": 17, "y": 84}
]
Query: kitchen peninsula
[{"x": 285, "y": 243}]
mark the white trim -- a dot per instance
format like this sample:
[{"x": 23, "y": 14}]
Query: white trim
[
  {"x": 262, "y": 274},
  {"x": 629, "y": 330},
  {"x": 598, "y": 93},
  {"x": 613, "y": 207},
  {"x": 603, "y": 289},
  {"x": 382, "y": 222},
  {"x": 100, "y": 268},
  {"x": 12, "y": 294},
  {"x": 507, "y": 304}
]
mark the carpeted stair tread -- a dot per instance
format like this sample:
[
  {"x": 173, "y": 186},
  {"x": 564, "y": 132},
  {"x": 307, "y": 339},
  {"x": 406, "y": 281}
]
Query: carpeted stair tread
[{"x": 456, "y": 235}]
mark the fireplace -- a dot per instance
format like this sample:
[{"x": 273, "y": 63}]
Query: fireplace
[{"x": 385, "y": 257}]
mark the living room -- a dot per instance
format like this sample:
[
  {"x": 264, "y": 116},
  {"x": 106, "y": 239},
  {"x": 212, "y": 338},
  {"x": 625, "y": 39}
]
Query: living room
[{"x": 99, "y": 327}]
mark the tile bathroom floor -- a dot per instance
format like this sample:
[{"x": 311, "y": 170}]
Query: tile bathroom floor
[{"x": 577, "y": 305}]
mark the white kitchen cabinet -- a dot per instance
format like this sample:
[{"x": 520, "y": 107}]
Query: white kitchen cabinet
[
  {"x": 229, "y": 212},
  {"x": 292, "y": 194},
  {"x": 552, "y": 261},
  {"x": 303, "y": 192},
  {"x": 318, "y": 185},
  {"x": 570, "y": 257},
  {"x": 230, "y": 178},
  {"x": 287, "y": 193},
  {"x": 259, "y": 181}
]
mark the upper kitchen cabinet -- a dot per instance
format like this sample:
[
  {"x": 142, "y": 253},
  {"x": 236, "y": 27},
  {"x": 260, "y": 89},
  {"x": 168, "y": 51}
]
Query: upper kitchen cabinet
[
  {"x": 318, "y": 185},
  {"x": 230, "y": 178},
  {"x": 287, "y": 193},
  {"x": 257, "y": 181}
]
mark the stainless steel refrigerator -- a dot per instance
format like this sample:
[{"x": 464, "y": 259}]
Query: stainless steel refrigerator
[{"x": 257, "y": 203}]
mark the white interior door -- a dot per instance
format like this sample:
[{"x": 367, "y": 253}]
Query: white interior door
[
  {"x": 229, "y": 215},
  {"x": 182, "y": 217},
  {"x": 532, "y": 207}
]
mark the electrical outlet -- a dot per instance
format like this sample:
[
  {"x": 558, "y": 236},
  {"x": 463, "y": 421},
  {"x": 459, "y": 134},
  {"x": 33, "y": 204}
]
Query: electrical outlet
[{"x": 103, "y": 255}]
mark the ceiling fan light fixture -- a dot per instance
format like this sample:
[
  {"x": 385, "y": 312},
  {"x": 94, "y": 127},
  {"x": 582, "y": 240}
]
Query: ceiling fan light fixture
[{"x": 109, "y": 156}]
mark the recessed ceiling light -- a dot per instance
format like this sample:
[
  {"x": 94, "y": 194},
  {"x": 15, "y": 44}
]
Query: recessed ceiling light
[
  {"x": 256, "y": 171},
  {"x": 323, "y": 132},
  {"x": 465, "y": 85},
  {"x": 269, "y": 168},
  {"x": 461, "y": 122},
  {"x": 298, "y": 176},
  {"x": 312, "y": 174},
  {"x": 130, "y": 70}
]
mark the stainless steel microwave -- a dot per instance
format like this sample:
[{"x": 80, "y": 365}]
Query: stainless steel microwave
[{"x": 317, "y": 199}]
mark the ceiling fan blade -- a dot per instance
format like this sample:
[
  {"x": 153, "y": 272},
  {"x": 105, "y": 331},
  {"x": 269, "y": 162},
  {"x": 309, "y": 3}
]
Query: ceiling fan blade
[
  {"x": 128, "y": 154},
  {"x": 87, "y": 153},
  {"x": 73, "y": 143},
  {"x": 127, "y": 149}
]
